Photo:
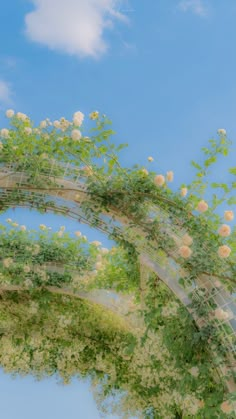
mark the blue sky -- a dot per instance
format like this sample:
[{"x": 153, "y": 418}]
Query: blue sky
[{"x": 163, "y": 70}]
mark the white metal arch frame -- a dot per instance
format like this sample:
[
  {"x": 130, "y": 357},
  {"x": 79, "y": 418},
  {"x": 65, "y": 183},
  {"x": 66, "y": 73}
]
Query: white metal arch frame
[{"x": 60, "y": 195}]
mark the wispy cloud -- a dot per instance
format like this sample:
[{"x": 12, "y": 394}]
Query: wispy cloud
[
  {"x": 197, "y": 7},
  {"x": 75, "y": 27},
  {"x": 5, "y": 93}
]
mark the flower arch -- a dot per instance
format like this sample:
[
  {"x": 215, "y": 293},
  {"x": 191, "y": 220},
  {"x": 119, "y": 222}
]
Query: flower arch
[{"x": 161, "y": 234}]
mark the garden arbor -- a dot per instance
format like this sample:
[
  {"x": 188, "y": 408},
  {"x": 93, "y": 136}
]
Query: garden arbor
[{"x": 163, "y": 299}]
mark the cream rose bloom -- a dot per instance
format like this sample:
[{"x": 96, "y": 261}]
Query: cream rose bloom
[
  {"x": 194, "y": 371},
  {"x": 224, "y": 251},
  {"x": 183, "y": 191},
  {"x": 78, "y": 118},
  {"x": 159, "y": 180},
  {"x": 21, "y": 116},
  {"x": 224, "y": 230},
  {"x": 4, "y": 133},
  {"x": 98, "y": 265},
  {"x": 226, "y": 407},
  {"x": 23, "y": 228},
  {"x": 221, "y": 131},
  {"x": 57, "y": 124},
  {"x": 96, "y": 243},
  {"x": 185, "y": 252},
  {"x": 170, "y": 176},
  {"x": 78, "y": 233},
  {"x": 221, "y": 314},
  {"x": 150, "y": 159},
  {"x": 28, "y": 130},
  {"x": 228, "y": 215},
  {"x": 144, "y": 171},
  {"x": 76, "y": 135},
  {"x": 10, "y": 113},
  {"x": 202, "y": 206},
  {"x": 88, "y": 171},
  {"x": 187, "y": 240}
]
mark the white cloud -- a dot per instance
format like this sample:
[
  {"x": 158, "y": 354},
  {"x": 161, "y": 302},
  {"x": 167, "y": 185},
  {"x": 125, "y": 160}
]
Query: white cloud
[
  {"x": 195, "y": 6},
  {"x": 5, "y": 92},
  {"x": 75, "y": 27}
]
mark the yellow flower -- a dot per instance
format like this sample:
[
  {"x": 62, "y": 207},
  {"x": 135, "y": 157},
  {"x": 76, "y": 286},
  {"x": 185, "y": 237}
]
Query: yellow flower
[{"x": 94, "y": 115}]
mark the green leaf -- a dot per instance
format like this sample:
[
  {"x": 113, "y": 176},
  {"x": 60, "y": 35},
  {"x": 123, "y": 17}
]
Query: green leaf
[{"x": 196, "y": 165}]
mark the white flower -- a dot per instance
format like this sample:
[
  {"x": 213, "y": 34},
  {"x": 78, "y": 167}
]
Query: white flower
[
  {"x": 221, "y": 131},
  {"x": 94, "y": 115},
  {"x": 96, "y": 243},
  {"x": 28, "y": 130},
  {"x": 26, "y": 269},
  {"x": 15, "y": 224},
  {"x": 64, "y": 123},
  {"x": 78, "y": 118},
  {"x": 28, "y": 283},
  {"x": 57, "y": 124},
  {"x": 104, "y": 250},
  {"x": 5, "y": 133},
  {"x": 21, "y": 116},
  {"x": 62, "y": 228},
  {"x": 42, "y": 227},
  {"x": 159, "y": 180},
  {"x": 7, "y": 262},
  {"x": 9, "y": 220},
  {"x": 43, "y": 124},
  {"x": 78, "y": 233},
  {"x": 98, "y": 265},
  {"x": 228, "y": 215},
  {"x": 194, "y": 371},
  {"x": 221, "y": 314},
  {"x": 36, "y": 250},
  {"x": 144, "y": 171},
  {"x": 76, "y": 135},
  {"x": 33, "y": 307},
  {"x": 150, "y": 159},
  {"x": 170, "y": 176},
  {"x": 10, "y": 113},
  {"x": 23, "y": 228},
  {"x": 183, "y": 191}
]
